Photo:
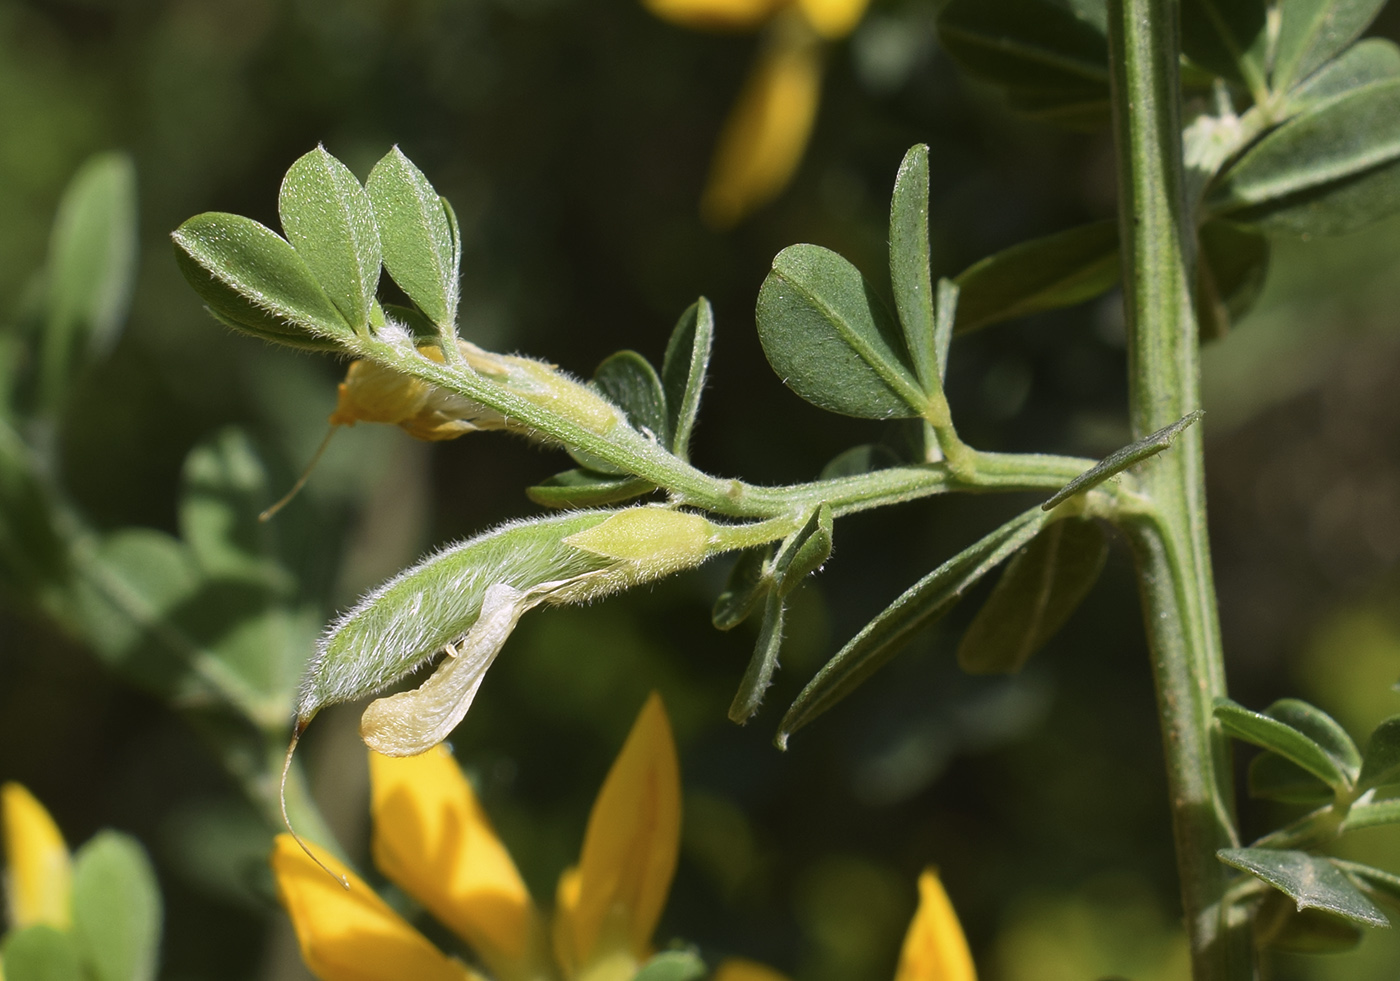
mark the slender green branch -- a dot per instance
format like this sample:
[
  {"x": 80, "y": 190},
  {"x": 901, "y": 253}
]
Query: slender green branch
[{"x": 1170, "y": 541}]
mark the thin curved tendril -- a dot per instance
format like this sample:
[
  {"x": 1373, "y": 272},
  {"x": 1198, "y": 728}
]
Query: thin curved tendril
[
  {"x": 282, "y": 793},
  {"x": 301, "y": 481}
]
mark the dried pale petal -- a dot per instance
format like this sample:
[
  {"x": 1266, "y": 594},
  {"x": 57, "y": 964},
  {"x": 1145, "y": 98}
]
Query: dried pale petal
[
  {"x": 767, "y": 131},
  {"x": 351, "y": 934},
  {"x": 709, "y": 15},
  {"x": 412, "y": 722},
  {"x": 630, "y": 847},
  {"x": 39, "y": 872},
  {"x": 833, "y": 19},
  {"x": 738, "y": 969},
  {"x": 432, "y": 838},
  {"x": 935, "y": 948}
]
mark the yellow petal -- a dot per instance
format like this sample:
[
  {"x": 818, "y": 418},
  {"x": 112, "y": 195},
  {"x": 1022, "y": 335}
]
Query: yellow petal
[
  {"x": 709, "y": 15},
  {"x": 432, "y": 838},
  {"x": 565, "y": 910},
  {"x": 935, "y": 948},
  {"x": 833, "y": 19},
  {"x": 738, "y": 969},
  {"x": 629, "y": 849},
  {"x": 766, "y": 133},
  {"x": 39, "y": 874},
  {"x": 352, "y": 935}
]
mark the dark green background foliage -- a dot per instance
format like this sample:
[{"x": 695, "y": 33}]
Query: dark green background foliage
[{"x": 572, "y": 139}]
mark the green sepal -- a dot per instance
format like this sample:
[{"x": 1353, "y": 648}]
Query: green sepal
[
  {"x": 683, "y": 372},
  {"x": 582, "y": 488},
  {"x": 1267, "y": 732},
  {"x": 1312, "y": 32},
  {"x": 254, "y": 281},
  {"x": 910, "y": 266},
  {"x": 925, "y": 602},
  {"x": 42, "y": 953},
  {"x": 1273, "y": 777},
  {"x": 1047, "y": 273},
  {"x": 416, "y": 236},
  {"x": 1310, "y": 881},
  {"x": 329, "y": 220},
  {"x": 1042, "y": 586},
  {"x": 831, "y": 340},
  {"x": 804, "y": 552},
  {"x": 116, "y": 908},
  {"x": 759, "y": 674},
  {"x": 1333, "y": 169},
  {"x": 748, "y": 583}
]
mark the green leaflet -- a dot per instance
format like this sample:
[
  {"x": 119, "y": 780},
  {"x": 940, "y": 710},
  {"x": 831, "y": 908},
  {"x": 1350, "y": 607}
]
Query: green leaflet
[
  {"x": 910, "y": 267},
  {"x": 1322, "y": 729},
  {"x": 1382, "y": 763},
  {"x": 1272, "y": 777},
  {"x": 1121, "y": 459},
  {"x": 1379, "y": 883},
  {"x": 804, "y": 552},
  {"x": 1047, "y": 273},
  {"x": 1269, "y": 733},
  {"x": 116, "y": 908},
  {"x": 747, "y": 585},
  {"x": 921, "y": 604},
  {"x": 420, "y": 246},
  {"x": 328, "y": 218},
  {"x": 1327, "y": 171},
  {"x": 1228, "y": 37},
  {"x": 254, "y": 281},
  {"x": 410, "y": 618},
  {"x": 1041, "y": 587},
  {"x": 672, "y": 965},
  {"x": 1312, "y": 32},
  {"x": 683, "y": 372},
  {"x": 759, "y": 674},
  {"x": 91, "y": 265},
  {"x": 627, "y": 380},
  {"x": 1312, "y": 882},
  {"x": 1364, "y": 63},
  {"x": 42, "y": 953},
  {"x": 831, "y": 340},
  {"x": 583, "y": 488}
]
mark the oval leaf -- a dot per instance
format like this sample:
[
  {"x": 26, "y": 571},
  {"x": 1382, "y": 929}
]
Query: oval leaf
[
  {"x": 582, "y": 488},
  {"x": 831, "y": 340},
  {"x": 1382, "y": 765},
  {"x": 920, "y": 605},
  {"x": 1312, "y": 882},
  {"x": 254, "y": 281},
  {"x": 910, "y": 266},
  {"x": 1327, "y": 171},
  {"x": 1322, "y": 729},
  {"x": 1311, "y": 32},
  {"x": 1040, "y": 588},
  {"x": 116, "y": 908},
  {"x": 683, "y": 372},
  {"x": 1271, "y": 734},
  {"x": 1365, "y": 63},
  {"x": 630, "y": 382},
  {"x": 1058, "y": 270},
  {"x": 329, "y": 220},
  {"x": 416, "y": 236}
]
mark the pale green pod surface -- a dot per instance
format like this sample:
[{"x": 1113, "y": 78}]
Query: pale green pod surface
[{"x": 403, "y": 623}]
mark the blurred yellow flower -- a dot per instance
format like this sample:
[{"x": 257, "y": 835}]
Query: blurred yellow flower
[
  {"x": 38, "y": 870},
  {"x": 934, "y": 947},
  {"x": 433, "y": 840},
  {"x": 768, "y": 128}
]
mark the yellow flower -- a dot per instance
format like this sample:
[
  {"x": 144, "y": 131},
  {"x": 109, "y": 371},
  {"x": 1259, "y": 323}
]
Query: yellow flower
[
  {"x": 934, "y": 947},
  {"x": 768, "y": 128},
  {"x": 38, "y": 870},
  {"x": 434, "y": 841}
]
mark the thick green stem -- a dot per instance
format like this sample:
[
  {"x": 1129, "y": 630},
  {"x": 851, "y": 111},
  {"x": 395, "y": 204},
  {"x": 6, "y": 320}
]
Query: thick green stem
[{"x": 1169, "y": 539}]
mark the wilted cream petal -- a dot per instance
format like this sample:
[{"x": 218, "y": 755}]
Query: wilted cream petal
[
  {"x": 413, "y": 722},
  {"x": 833, "y": 19},
  {"x": 738, "y": 969},
  {"x": 935, "y": 948},
  {"x": 38, "y": 871},
  {"x": 629, "y": 849},
  {"x": 351, "y": 934},
  {"x": 432, "y": 838},
  {"x": 721, "y": 15},
  {"x": 766, "y": 133}
]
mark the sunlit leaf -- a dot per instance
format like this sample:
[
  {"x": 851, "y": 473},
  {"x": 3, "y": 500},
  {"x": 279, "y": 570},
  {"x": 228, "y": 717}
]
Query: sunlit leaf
[
  {"x": 1285, "y": 740},
  {"x": 1322, "y": 729},
  {"x": 910, "y": 266},
  {"x": 1312, "y": 882},
  {"x": 1312, "y": 32},
  {"x": 1364, "y": 63},
  {"x": 831, "y": 340},
  {"x": 920, "y": 605},
  {"x": 328, "y": 218},
  {"x": 1058, "y": 270},
  {"x": 1041, "y": 587},
  {"x": 417, "y": 238},
  {"x": 116, "y": 908},
  {"x": 42, "y": 953}
]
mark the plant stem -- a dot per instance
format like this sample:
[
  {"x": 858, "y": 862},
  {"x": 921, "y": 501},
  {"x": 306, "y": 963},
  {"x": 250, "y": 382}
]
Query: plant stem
[{"x": 1170, "y": 539}]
